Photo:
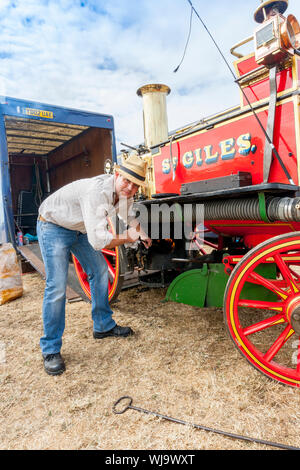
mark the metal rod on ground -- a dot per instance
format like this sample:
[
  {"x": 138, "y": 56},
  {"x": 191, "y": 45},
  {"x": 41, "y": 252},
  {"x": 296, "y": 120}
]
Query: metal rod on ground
[{"x": 198, "y": 426}]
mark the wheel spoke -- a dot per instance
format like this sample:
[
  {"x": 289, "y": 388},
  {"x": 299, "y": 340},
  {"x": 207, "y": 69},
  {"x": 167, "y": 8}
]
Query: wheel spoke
[
  {"x": 268, "y": 284},
  {"x": 296, "y": 275},
  {"x": 111, "y": 270},
  {"x": 205, "y": 242},
  {"x": 279, "y": 343},
  {"x": 286, "y": 273},
  {"x": 262, "y": 325},
  {"x": 199, "y": 246},
  {"x": 108, "y": 252},
  {"x": 260, "y": 304},
  {"x": 277, "y": 283}
]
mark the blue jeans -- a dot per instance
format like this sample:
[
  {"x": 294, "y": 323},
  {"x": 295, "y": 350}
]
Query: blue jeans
[{"x": 56, "y": 243}]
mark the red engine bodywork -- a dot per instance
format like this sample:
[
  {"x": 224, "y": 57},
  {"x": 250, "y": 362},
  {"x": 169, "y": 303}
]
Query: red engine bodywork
[{"x": 233, "y": 142}]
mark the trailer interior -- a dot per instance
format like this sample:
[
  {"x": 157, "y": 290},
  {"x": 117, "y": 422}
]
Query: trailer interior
[{"x": 44, "y": 156}]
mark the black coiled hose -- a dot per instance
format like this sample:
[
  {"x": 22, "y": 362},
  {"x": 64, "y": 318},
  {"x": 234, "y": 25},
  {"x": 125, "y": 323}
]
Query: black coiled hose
[{"x": 284, "y": 209}]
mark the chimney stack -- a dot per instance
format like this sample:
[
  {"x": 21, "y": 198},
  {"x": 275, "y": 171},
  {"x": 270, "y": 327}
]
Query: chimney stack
[{"x": 155, "y": 113}]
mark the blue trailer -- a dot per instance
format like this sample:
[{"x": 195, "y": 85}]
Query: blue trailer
[{"x": 43, "y": 147}]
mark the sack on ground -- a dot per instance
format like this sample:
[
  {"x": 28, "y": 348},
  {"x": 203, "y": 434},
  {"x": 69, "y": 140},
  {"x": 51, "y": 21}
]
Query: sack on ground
[{"x": 11, "y": 286}]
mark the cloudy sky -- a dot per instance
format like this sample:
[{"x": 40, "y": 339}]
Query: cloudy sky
[{"x": 94, "y": 55}]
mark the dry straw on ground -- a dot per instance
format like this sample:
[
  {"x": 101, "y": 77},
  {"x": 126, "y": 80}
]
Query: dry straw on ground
[{"x": 180, "y": 363}]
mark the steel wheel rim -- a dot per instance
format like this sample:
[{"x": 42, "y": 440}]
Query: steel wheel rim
[{"x": 242, "y": 336}]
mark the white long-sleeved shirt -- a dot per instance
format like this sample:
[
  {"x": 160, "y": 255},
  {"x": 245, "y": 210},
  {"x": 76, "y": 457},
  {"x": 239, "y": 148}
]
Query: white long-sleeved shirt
[{"x": 84, "y": 206}]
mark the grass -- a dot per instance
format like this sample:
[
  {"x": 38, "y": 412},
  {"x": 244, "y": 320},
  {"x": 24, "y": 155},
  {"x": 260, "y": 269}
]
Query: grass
[{"x": 180, "y": 363}]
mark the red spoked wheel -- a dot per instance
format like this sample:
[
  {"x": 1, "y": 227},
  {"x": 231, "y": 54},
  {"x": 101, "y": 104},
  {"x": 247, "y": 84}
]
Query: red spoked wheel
[
  {"x": 115, "y": 265},
  {"x": 199, "y": 245},
  {"x": 265, "y": 324}
]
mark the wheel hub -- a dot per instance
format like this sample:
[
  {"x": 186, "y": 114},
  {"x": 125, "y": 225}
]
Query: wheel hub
[
  {"x": 295, "y": 320},
  {"x": 293, "y": 314}
]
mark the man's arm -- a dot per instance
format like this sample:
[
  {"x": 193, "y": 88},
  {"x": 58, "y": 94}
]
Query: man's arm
[{"x": 129, "y": 236}]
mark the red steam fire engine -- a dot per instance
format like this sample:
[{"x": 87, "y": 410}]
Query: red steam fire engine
[{"x": 243, "y": 167}]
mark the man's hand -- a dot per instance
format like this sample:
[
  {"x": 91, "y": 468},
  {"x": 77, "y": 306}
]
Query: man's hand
[
  {"x": 143, "y": 236},
  {"x": 132, "y": 235},
  {"x": 147, "y": 242},
  {"x": 135, "y": 232}
]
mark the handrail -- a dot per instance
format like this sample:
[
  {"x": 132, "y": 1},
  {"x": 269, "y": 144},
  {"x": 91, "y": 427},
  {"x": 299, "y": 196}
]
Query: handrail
[{"x": 245, "y": 41}]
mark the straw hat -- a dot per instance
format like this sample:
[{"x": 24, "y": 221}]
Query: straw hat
[
  {"x": 134, "y": 169},
  {"x": 280, "y": 4}
]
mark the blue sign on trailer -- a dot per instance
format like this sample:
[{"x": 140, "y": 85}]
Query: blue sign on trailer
[{"x": 18, "y": 138}]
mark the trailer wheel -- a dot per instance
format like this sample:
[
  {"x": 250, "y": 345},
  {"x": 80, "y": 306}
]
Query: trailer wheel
[
  {"x": 265, "y": 324},
  {"x": 116, "y": 271}
]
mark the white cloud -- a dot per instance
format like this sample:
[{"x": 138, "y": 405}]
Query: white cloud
[{"x": 94, "y": 57}]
